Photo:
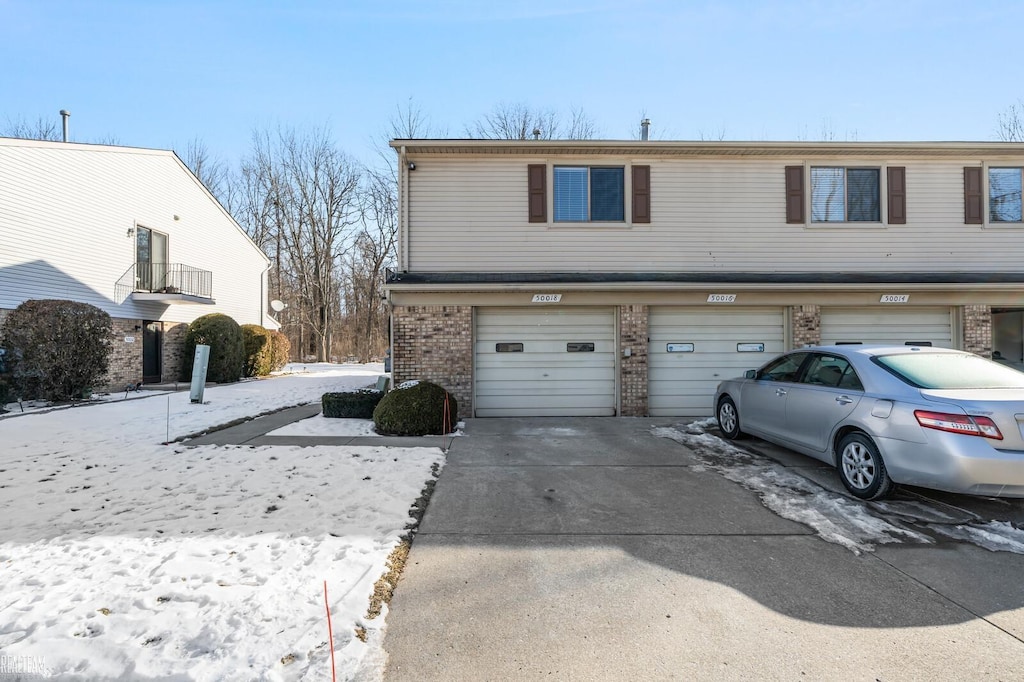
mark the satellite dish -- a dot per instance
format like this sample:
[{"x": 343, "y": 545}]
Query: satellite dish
[{"x": 278, "y": 306}]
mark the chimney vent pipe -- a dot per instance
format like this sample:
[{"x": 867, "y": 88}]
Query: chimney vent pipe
[
  {"x": 65, "y": 114},
  {"x": 645, "y": 130}
]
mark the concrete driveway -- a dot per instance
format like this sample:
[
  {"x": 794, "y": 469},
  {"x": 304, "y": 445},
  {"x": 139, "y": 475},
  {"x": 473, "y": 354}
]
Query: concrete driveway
[{"x": 599, "y": 549}]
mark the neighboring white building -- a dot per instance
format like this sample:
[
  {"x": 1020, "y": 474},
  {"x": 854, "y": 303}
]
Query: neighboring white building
[
  {"x": 602, "y": 277},
  {"x": 132, "y": 232}
]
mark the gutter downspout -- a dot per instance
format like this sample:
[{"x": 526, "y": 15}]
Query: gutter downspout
[{"x": 403, "y": 209}]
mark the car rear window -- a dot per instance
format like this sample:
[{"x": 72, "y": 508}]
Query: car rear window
[{"x": 950, "y": 371}]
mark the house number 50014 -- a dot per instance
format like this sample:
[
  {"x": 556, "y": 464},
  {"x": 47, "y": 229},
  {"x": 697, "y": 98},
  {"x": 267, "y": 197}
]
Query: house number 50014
[{"x": 894, "y": 298}]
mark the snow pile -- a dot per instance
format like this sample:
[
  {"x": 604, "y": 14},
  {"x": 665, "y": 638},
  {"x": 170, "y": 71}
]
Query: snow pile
[
  {"x": 858, "y": 526},
  {"x": 126, "y": 559},
  {"x": 320, "y": 425}
]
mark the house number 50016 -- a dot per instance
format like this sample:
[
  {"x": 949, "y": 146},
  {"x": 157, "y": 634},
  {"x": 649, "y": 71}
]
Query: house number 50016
[{"x": 721, "y": 298}]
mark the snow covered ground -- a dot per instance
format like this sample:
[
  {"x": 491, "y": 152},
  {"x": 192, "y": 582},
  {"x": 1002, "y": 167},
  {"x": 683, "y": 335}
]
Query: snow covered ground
[{"x": 123, "y": 558}]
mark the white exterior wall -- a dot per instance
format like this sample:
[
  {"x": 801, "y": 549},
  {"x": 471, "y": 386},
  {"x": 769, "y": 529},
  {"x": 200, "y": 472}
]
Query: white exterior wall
[
  {"x": 469, "y": 214},
  {"x": 65, "y": 215}
]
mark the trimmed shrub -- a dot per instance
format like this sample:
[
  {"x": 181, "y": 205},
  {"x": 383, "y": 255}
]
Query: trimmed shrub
[
  {"x": 56, "y": 350},
  {"x": 258, "y": 350},
  {"x": 415, "y": 408},
  {"x": 280, "y": 347},
  {"x": 352, "y": 404},
  {"x": 227, "y": 353}
]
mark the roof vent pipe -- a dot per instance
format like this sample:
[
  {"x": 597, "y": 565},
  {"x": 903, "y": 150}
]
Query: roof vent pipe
[
  {"x": 536, "y": 133},
  {"x": 65, "y": 114},
  {"x": 645, "y": 130}
]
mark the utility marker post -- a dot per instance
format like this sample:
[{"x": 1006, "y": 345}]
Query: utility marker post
[{"x": 199, "y": 366}]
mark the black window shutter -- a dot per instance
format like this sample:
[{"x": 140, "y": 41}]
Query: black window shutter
[
  {"x": 641, "y": 194},
  {"x": 974, "y": 206},
  {"x": 897, "y": 183},
  {"x": 538, "y": 192},
  {"x": 795, "y": 194}
]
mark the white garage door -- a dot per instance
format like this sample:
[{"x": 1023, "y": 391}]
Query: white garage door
[
  {"x": 692, "y": 349},
  {"x": 897, "y": 326},
  {"x": 555, "y": 362}
]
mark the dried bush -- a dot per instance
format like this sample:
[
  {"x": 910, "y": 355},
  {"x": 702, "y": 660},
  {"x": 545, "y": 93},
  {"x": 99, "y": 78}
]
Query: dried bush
[
  {"x": 257, "y": 342},
  {"x": 280, "y": 347},
  {"x": 56, "y": 350}
]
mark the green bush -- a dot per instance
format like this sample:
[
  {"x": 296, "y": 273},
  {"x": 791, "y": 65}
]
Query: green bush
[
  {"x": 415, "y": 409},
  {"x": 5, "y": 393},
  {"x": 280, "y": 347},
  {"x": 56, "y": 350},
  {"x": 258, "y": 350},
  {"x": 352, "y": 405},
  {"x": 227, "y": 352}
]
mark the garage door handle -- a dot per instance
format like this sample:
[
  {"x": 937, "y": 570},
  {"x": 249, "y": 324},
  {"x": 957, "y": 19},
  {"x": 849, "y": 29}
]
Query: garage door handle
[
  {"x": 780, "y": 391},
  {"x": 844, "y": 400}
]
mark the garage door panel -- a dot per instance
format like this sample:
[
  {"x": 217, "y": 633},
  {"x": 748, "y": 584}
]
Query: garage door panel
[
  {"x": 545, "y": 378},
  {"x": 897, "y": 326},
  {"x": 683, "y": 383}
]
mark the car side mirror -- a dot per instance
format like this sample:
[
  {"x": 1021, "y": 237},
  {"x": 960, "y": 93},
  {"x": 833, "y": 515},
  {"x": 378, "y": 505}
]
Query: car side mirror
[{"x": 750, "y": 374}]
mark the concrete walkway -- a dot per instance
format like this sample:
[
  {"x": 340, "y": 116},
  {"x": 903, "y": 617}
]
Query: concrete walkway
[{"x": 588, "y": 549}]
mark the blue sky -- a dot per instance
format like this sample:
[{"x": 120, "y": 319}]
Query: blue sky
[{"x": 159, "y": 73}]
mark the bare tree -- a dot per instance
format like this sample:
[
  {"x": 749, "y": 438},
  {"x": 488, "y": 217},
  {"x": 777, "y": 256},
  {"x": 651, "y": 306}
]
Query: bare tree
[
  {"x": 1011, "y": 124},
  {"x": 40, "y": 129},
  {"x": 518, "y": 121},
  {"x": 210, "y": 171}
]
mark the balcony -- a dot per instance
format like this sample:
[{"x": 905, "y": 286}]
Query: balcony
[{"x": 167, "y": 283}]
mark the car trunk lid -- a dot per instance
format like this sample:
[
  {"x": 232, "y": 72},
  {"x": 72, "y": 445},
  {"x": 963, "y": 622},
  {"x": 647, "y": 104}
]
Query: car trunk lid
[{"x": 1004, "y": 406}]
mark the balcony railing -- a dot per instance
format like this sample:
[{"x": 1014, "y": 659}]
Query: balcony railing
[{"x": 169, "y": 281}]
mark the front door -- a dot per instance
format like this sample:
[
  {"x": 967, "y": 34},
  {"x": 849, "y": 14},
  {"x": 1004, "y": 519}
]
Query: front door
[{"x": 152, "y": 349}]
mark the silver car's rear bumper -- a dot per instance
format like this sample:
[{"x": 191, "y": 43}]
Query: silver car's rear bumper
[{"x": 955, "y": 463}]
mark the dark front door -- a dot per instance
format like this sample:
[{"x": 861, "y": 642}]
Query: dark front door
[{"x": 152, "y": 349}]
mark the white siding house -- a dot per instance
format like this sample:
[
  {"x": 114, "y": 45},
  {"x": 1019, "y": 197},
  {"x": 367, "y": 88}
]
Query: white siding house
[
  {"x": 130, "y": 231},
  {"x": 691, "y": 261}
]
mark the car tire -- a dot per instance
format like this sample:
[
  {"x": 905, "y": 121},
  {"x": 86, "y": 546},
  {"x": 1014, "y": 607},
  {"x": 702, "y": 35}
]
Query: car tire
[
  {"x": 861, "y": 468},
  {"x": 729, "y": 419}
]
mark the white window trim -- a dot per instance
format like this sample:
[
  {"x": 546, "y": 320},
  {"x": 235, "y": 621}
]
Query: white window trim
[
  {"x": 988, "y": 223},
  {"x": 883, "y": 196},
  {"x": 598, "y": 162}
]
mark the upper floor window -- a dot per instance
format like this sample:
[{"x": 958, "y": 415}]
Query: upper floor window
[
  {"x": 845, "y": 195},
  {"x": 1004, "y": 195},
  {"x": 589, "y": 194}
]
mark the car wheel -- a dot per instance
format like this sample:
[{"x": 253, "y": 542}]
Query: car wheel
[
  {"x": 861, "y": 468},
  {"x": 729, "y": 419}
]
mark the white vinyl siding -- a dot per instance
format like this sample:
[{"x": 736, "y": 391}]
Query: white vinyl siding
[
  {"x": 897, "y": 326},
  {"x": 66, "y": 218},
  {"x": 545, "y": 379},
  {"x": 682, "y": 384},
  {"x": 469, "y": 214}
]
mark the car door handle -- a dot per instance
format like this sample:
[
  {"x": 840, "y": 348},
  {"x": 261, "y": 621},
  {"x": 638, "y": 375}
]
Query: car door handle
[
  {"x": 780, "y": 391},
  {"x": 844, "y": 399}
]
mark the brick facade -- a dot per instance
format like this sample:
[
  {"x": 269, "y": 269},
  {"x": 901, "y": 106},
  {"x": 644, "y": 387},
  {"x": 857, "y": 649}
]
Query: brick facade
[
  {"x": 806, "y": 324},
  {"x": 977, "y": 321},
  {"x": 435, "y": 343},
  {"x": 633, "y": 377},
  {"x": 173, "y": 350},
  {"x": 125, "y": 357}
]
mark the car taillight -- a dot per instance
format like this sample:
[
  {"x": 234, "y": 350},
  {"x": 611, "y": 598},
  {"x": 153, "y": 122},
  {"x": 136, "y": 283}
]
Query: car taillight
[{"x": 959, "y": 423}]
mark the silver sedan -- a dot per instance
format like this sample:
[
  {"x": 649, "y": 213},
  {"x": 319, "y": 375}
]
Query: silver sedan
[{"x": 930, "y": 417}]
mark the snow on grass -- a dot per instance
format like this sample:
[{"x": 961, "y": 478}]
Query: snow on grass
[{"x": 123, "y": 558}]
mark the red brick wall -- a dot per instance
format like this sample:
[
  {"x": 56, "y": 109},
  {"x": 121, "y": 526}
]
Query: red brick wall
[
  {"x": 435, "y": 343},
  {"x": 977, "y": 321},
  {"x": 806, "y": 324},
  {"x": 633, "y": 375}
]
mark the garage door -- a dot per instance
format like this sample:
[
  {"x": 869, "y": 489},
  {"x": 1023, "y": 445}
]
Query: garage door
[
  {"x": 692, "y": 349},
  {"x": 899, "y": 327},
  {"x": 542, "y": 363}
]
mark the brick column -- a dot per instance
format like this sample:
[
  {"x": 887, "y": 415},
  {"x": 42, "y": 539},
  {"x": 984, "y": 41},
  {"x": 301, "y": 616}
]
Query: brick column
[
  {"x": 435, "y": 343},
  {"x": 173, "y": 351},
  {"x": 806, "y": 324},
  {"x": 978, "y": 330},
  {"x": 633, "y": 375},
  {"x": 125, "y": 358}
]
